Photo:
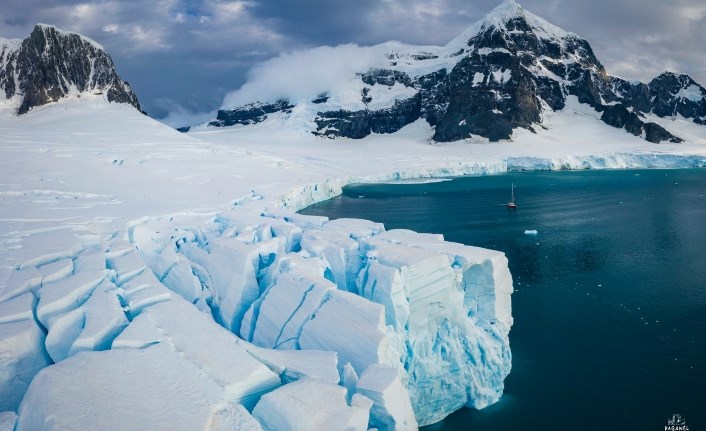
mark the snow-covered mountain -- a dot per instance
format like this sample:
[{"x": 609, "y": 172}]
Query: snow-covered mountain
[
  {"x": 51, "y": 64},
  {"x": 503, "y": 73}
]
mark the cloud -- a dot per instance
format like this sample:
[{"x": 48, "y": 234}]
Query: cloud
[
  {"x": 179, "y": 116},
  {"x": 301, "y": 75}
]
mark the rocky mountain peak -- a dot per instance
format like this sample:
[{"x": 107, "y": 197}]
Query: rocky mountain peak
[
  {"x": 500, "y": 74},
  {"x": 510, "y": 17},
  {"x": 48, "y": 35},
  {"x": 51, "y": 64}
]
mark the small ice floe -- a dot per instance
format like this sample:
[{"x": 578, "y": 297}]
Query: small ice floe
[{"x": 530, "y": 232}]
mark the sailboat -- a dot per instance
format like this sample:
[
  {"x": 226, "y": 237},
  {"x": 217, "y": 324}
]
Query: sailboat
[{"x": 512, "y": 203}]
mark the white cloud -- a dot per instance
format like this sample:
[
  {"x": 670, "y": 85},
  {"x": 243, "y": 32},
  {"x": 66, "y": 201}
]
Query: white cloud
[
  {"x": 304, "y": 74},
  {"x": 179, "y": 116}
]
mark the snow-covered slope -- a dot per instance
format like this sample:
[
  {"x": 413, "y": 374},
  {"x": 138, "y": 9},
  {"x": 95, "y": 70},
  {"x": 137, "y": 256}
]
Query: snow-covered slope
[
  {"x": 125, "y": 242},
  {"x": 152, "y": 247},
  {"x": 508, "y": 71},
  {"x": 152, "y": 279},
  {"x": 52, "y": 64}
]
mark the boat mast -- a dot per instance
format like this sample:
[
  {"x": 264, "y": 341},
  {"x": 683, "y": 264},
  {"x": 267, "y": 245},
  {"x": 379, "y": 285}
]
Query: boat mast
[{"x": 513, "y": 193}]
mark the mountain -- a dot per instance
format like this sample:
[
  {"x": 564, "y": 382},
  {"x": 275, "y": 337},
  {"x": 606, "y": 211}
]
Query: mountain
[
  {"x": 502, "y": 73},
  {"x": 51, "y": 64}
]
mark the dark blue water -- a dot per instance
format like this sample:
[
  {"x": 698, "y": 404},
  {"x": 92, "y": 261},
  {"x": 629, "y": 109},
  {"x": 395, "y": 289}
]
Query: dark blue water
[{"x": 610, "y": 299}]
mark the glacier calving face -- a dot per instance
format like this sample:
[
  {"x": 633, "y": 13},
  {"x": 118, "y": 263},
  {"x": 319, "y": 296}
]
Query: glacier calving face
[
  {"x": 438, "y": 313},
  {"x": 275, "y": 314}
]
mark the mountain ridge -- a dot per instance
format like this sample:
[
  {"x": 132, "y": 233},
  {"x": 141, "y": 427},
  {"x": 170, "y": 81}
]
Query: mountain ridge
[
  {"x": 51, "y": 64},
  {"x": 500, "y": 74}
]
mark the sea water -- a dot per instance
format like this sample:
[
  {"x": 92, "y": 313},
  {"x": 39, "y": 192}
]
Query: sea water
[{"x": 610, "y": 294}]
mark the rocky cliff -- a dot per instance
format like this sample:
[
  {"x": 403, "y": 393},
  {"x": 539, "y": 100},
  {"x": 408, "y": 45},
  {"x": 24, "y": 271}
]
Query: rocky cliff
[{"x": 51, "y": 64}]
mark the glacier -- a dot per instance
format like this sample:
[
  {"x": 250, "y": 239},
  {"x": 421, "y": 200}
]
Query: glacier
[
  {"x": 151, "y": 279},
  {"x": 230, "y": 271},
  {"x": 236, "y": 295},
  {"x": 250, "y": 312},
  {"x": 454, "y": 333}
]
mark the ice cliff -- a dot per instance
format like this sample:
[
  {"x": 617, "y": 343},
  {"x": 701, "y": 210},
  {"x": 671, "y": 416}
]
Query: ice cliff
[{"x": 278, "y": 320}]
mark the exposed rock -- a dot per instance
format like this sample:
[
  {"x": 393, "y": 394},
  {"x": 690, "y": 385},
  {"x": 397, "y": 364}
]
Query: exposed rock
[
  {"x": 434, "y": 91},
  {"x": 51, "y": 64},
  {"x": 634, "y": 94},
  {"x": 677, "y": 94},
  {"x": 252, "y": 113},
  {"x": 321, "y": 98},
  {"x": 386, "y": 77},
  {"x": 359, "y": 124},
  {"x": 390, "y": 120},
  {"x": 656, "y": 134},
  {"x": 619, "y": 116},
  {"x": 351, "y": 124}
]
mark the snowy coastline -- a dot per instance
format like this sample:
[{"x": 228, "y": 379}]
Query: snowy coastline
[
  {"x": 109, "y": 232},
  {"x": 303, "y": 196},
  {"x": 151, "y": 279}
]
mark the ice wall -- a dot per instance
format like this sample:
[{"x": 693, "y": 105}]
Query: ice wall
[
  {"x": 214, "y": 314},
  {"x": 437, "y": 312}
]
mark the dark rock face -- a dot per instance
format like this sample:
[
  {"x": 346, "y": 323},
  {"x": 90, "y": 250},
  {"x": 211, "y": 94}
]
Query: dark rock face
[
  {"x": 674, "y": 94},
  {"x": 619, "y": 116},
  {"x": 386, "y": 77},
  {"x": 390, "y": 120},
  {"x": 502, "y": 79},
  {"x": 489, "y": 95},
  {"x": 351, "y": 124},
  {"x": 655, "y": 133},
  {"x": 51, "y": 64},
  {"x": 633, "y": 94},
  {"x": 434, "y": 91},
  {"x": 359, "y": 124},
  {"x": 322, "y": 98},
  {"x": 252, "y": 113}
]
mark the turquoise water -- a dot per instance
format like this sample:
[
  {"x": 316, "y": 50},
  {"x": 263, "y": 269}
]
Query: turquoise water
[{"x": 610, "y": 300}]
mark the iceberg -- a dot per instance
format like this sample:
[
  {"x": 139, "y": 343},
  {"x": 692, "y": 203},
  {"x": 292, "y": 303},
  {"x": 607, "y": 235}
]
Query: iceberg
[
  {"x": 286, "y": 306},
  {"x": 457, "y": 355}
]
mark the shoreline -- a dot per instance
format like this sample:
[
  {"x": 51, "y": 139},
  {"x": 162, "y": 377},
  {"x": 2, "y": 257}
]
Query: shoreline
[{"x": 303, "y": 196}]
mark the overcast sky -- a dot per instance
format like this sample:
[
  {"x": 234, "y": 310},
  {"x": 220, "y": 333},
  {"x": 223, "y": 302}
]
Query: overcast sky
[{"x": 183, "y": 56}]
